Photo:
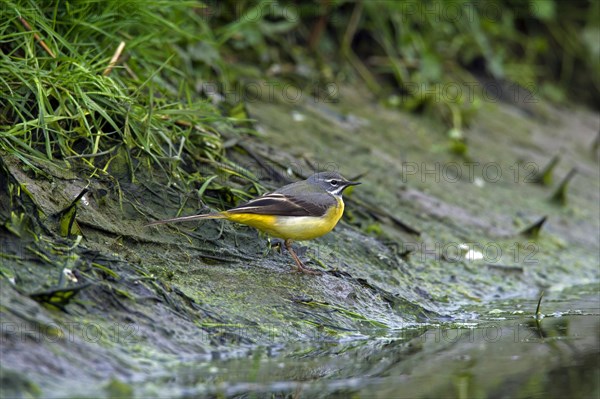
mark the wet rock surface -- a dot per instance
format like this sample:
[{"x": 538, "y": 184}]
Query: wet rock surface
[{"x": 429, "y": 239}]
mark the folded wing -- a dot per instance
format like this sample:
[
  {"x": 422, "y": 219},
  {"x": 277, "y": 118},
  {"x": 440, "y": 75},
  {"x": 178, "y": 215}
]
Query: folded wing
[{"x": 281, "y": 204}]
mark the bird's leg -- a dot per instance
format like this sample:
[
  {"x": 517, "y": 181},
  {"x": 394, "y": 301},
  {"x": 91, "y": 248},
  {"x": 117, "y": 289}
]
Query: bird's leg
[{"x": 299, "y": 264}]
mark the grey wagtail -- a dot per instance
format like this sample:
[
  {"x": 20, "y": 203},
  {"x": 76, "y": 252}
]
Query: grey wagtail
[{"x": 299, "y": 211}]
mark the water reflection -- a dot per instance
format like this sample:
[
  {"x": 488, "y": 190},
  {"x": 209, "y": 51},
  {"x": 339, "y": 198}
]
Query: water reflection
[{"x": 556, "y": 356}]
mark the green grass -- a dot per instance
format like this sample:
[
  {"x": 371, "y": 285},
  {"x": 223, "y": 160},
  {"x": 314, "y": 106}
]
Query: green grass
[{"x": 61, "y": 102}]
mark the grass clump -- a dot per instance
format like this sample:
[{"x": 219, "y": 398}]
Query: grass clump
[{"x": 68, "y": 96}]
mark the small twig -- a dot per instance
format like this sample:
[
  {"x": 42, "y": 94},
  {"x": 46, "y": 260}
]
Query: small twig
[
  {"x": 98, "y": 154},
  {"x": 319, "y": 27},
  {"x": 183, "y": 123},
  {"x": 352, "y": 26},
  {"x": 37, "y": 37},
  {"x": 130, "y": 71},
  {"x": 114, "y": 59},
  {"x": 349, "y": 53}
]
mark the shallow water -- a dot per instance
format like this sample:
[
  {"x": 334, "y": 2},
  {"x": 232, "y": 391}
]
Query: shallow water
[{"x": 498, "y": 351}]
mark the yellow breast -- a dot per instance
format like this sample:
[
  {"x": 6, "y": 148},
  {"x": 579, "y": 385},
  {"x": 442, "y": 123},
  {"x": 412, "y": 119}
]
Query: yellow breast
[{"x": 293, "y": 227}]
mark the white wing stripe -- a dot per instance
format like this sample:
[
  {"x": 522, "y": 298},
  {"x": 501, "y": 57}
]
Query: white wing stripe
[{"x": 273, "y": 197}]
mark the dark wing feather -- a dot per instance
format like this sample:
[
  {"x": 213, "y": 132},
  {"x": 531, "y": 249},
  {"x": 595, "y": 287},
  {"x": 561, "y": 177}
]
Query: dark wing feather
[{"x": 282, "y": 204}]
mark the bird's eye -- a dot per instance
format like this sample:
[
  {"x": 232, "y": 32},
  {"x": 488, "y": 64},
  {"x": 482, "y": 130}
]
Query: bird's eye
[{"x": 334, "y": 183}]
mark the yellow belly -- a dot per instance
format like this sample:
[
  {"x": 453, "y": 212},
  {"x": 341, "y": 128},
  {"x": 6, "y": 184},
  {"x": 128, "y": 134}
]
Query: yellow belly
[{"x": 291, "y": 227}]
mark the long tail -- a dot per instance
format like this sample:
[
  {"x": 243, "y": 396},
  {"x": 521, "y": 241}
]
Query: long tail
[{"x": 188, "y": 218}]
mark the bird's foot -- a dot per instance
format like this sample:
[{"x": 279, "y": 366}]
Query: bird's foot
[
  {"x": 306, "y": 270},
  {"x": 300, "y": 268}
]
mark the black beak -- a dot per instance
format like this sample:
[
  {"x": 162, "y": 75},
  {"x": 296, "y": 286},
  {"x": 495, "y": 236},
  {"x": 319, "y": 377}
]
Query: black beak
[{"x": 352, "y": 183}]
